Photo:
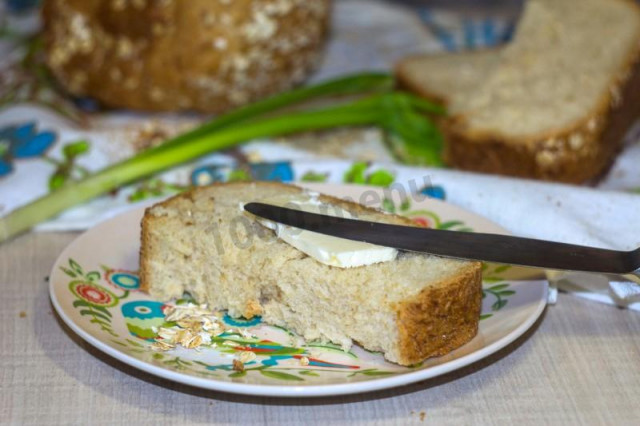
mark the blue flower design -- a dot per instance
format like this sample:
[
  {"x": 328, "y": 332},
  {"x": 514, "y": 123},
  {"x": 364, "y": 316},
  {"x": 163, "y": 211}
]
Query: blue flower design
[
  {"x": 241, "y": 322},
  {"x": 278, "y": 171},
  {"x": 22, "y": 141},
  {"x": 272, "y": 361},
  {"x": 206, "y": 175},
  {"x": 123, "y": 279},
  {"x": 434, "y": 191},
  {"x": 143, "y": 309}
]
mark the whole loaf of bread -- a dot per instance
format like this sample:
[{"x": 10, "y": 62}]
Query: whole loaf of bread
[{"x": 165, "y": 55}]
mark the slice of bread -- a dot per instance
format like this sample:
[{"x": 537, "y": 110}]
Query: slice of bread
[
  {"x": 553, "y": 104},
  {"x": 201, "y": 242}
]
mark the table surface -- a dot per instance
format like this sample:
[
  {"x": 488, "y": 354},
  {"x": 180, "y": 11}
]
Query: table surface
[{"x": 579, "y": 364}]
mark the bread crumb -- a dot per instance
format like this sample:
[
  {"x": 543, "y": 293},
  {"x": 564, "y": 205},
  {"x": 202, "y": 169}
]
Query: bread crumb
[
  {"x": 22, "y": 314},
  {"x": 238, "y": 365},
  {"x": 220, "y": 43}
]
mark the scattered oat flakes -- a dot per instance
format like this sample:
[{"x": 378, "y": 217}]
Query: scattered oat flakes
[
  {"x": 246, "y": 356},
  {"x": 160, "y": 345},
  {"x": 193, "y": 342},
  {"x": 196, "y": 326}
]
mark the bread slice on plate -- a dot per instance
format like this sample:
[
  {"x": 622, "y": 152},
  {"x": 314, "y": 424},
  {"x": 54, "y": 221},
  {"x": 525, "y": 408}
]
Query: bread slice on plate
[
  {"x": 202, "y": 242},
  {"x": 553, "y": 104}
]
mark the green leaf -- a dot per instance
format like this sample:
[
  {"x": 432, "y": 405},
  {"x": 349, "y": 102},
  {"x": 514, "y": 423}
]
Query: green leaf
[
  {"x": 485, "y": 316},
  {"x": 95, "y": 314},
  {"x": 80, "y": 302},
  {"x": 501, "y": 269},
  {"x": 4, "y": 148},
  {"x": 412, "y": 137},
  {"x": 314, "y": 177},
  {"x": 450, "y": 224},
  {"x": 406, "y": 205},
  {"x": 280, "y": 375},
  {"x": 238, "y": 374},
  {"x": 309, "y": 373},
  {"x": 101, "y": 309},
  {"x": 356, "y": 173},
  {"x": 138, "y": 195},
  {"x": 505, "y": 293},
  {"x": 134, "y": 343},
  {"x": 57, "y": 180},
  {"x": 108, "y": 330},
  {"x": 498, "y": 287},
  {"x": 380, "y": 178},
  {"x": 387, "y": 205},
  {"x": 69, "y": 272},
  {"x": 74, "y": 149},
  {"x": 102, "y": 323},
  {"x": 93, "y": 276},
  {"x": 377, "y": 373},
  {"x": 239, "y": 175},
  {"x": 499, "y": 304},
  {"x": 75, "y": 266}
]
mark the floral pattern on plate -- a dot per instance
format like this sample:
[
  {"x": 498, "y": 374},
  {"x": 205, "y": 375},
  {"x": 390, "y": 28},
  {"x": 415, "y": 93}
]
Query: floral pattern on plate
[{"x": 95, "y": 289}]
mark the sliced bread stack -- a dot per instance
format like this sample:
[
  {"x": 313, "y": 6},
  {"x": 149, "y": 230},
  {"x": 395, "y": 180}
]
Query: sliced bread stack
[
  {"x": 553, "y": 104},
  {"x": 202, "y": 242}
]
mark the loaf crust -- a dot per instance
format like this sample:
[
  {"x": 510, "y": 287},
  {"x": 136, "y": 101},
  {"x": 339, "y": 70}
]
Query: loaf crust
[
  {"x": 171, "y": 55},
  {"x": 575, "y": 155},
  {"x": 441, "y": 319},
  {"x": 434, "y": 321}
]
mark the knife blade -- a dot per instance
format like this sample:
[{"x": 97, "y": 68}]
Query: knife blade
[{"x": 463, "y": 245}]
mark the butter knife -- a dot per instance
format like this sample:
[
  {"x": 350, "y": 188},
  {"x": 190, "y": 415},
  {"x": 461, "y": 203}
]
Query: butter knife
[{"x": 462, "y": 245}]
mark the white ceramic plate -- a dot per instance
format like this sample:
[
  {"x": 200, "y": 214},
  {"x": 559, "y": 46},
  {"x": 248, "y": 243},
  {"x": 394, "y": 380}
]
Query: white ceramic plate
[{"x": 94, "y": 288}]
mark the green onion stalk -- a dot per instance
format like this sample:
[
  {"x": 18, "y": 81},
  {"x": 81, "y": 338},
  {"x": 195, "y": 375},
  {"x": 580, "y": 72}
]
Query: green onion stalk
[{"x": 403, "y": 116}]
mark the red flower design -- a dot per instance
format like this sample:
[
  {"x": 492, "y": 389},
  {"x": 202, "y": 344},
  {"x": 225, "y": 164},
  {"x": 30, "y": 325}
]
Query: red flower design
[
  {"x": 94, "y": 294},
  {"x": 421, "y": 221}
]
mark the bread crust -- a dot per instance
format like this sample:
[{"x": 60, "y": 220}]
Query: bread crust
[
  {"x": 440, "y": 319},
  {"x": 200, "y": 55}
]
